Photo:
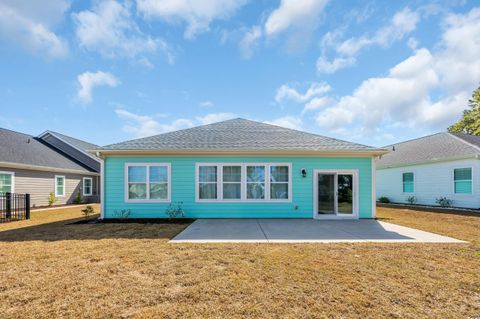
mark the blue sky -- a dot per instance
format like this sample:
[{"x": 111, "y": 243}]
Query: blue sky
[{"x": 374, "y": 72}]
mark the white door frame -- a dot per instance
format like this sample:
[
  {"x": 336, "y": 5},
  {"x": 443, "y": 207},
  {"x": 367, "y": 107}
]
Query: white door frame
[{"x": 336, "y": 215}]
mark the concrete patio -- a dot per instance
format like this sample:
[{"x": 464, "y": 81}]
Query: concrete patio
[{"x": 303, "y": 231}]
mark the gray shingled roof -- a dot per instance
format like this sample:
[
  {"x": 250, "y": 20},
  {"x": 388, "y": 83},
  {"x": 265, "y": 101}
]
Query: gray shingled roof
[
  {"x": 429, "y": 148},
  {"x": 84, "y": 146},
  {"x": 239, "y": 134},
  {"x": 22, "y": 148},
  {"x": 472, "y": 139}
]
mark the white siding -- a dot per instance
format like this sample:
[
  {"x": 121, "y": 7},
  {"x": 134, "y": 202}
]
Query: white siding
[{"x": 431, "y": 181}]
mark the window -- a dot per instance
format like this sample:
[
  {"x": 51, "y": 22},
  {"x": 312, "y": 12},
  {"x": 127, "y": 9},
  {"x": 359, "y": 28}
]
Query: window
[
  {"x": 243, "y": 182},
  {"x": 147, "y": 182},
  {"x": 462, "y": 178},
  {"x": 87, "y": 186},
  {"x": 232, "y": 182},
  {"x": 279, "y": 177},
  {"x": 255, "y": 182},
  {"x": 408, "y": 183},
  {"x": 208, "y": 182},
  {"x": 6, "y": 182},
  {"x": 59, "y": 186}
]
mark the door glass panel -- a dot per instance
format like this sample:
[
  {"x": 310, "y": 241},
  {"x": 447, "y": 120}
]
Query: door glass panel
[
  {"x": 345, "y": 194},
  {"x": 326, "y": 194}
]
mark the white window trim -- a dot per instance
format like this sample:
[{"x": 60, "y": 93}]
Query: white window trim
[
  {"x": 13, "y": 179},
  {"x": 64, "y": 185},
  {"x": 406, "y": 172},
  {"x": 148, "y": 200},
  {"x": 91, "y": 186},
  {"x": 243, "y": 197},
  {"x": 471, "y": 181}
]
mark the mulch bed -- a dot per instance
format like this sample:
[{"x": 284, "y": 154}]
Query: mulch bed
[{"x": 179, "y": 221}]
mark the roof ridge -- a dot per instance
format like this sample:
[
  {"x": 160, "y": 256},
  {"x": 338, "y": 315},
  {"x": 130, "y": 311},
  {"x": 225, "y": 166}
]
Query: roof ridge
[
  {"x": 464, "y": 141},
  {"x": 180, "y": 130},
  {"x": 414, "y": 139},
  {"x": 65, "y": 135},
  {"x": 247, "y": 120}
]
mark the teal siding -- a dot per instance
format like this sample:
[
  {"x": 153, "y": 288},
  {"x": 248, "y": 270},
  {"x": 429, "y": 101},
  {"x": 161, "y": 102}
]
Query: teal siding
[{"x": 183, "y": 187}]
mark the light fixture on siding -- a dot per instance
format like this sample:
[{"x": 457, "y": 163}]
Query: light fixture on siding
[{"x": 304, "y": 172}]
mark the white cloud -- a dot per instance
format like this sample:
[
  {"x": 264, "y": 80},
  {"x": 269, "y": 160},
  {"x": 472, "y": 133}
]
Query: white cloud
[
  {"x": 206, "y": 104},
  {"x": 29, "y": 25},
  {"x": 196, "y": 14},
  {"x": 288, "y": 93},
  {"x": 288, "y": 122},
  {"x": 249, "y": 40},
  {"x": 408, "y": 95},
  {"x": 214, "y": 117},
  {"x": 329, "y": 67},
  {"x": 316, "y": 103},
  {"x": 89, "y": 80},
  {"x": 110, "y": 30},
  {"x": 401, "y": 24},
  {"x": 294, "y": 14},
  {"x": 144, "y": 125}
]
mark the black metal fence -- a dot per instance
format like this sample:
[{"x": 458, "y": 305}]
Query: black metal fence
[{"x": 14, "y": 207}]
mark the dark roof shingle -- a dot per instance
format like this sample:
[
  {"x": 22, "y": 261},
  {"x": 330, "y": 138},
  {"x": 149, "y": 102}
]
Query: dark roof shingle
[
  {"x": 22, "y": 148},
  {"x": 239, "y": 134}
]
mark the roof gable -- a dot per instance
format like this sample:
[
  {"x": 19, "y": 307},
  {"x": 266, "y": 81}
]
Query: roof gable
[
  {"x": 239, "y": 135},
  {"x": 436, "y": 147}
]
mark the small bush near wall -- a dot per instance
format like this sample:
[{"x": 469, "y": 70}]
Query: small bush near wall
[
  {"x": 384, "y": 199},
  {"x": 52, "y": 199},
  {"x": 411, "y": 200},
  {"x": 122, "y": 214},
  {"x": 444, "y": 202},
  {"x": 175, "y": 210}
]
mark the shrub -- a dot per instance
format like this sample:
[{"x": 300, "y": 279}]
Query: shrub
[
  {"x": 122, "y": 214},
  {"x": 88, "y": 211},
  {"x": 174, "y": 211},
  {"x": 52, "y": 199},
  {"x": 78, "y": 198},
  {"x": 384, "y": 199},
  {"x": 443, "y": 201},
  {"x": 411, "y": 200}
]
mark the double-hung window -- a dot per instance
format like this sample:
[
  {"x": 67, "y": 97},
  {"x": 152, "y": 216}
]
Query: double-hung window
[
  {"x": 59, "y": 186},
  {"x": 232, "y": 182},
  {"x": 6, "y": 182},
  {"x": 256, "y": 182},
  {"x": 462, "y": 179},
  {"x": 147, "y": 182},
  {"x": 279, "y": 180},
  {"x": 208, "y": 184},
  {"x": 408, "y": 182},
  {"x": 87, "y": 186},
  {"x": 243, "y": 182}
]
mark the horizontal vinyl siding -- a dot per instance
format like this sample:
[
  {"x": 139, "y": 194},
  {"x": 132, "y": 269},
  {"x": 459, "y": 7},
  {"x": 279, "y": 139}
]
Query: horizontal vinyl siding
[
  {"x": 39, "y": 184},
  {"x": 431, "y": 181},
  {"x": 183, "y": 188}
]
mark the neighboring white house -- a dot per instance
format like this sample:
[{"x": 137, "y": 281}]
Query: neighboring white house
[{"x": 430, "y": 167}]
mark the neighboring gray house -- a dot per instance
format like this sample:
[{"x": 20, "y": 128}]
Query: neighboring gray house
[
  {"x": 51, "y": 162},
  {"x": 430, "y": 167}
]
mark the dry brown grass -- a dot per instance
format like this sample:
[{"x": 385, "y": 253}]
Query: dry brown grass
[{"x": 129, "y": 270}]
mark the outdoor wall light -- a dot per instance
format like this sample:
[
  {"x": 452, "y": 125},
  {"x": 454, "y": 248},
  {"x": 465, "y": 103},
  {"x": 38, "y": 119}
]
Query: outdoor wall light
[{"x": 304, "y": 172}]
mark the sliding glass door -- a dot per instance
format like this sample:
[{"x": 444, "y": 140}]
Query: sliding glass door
[{"x": 335, "y": 193}]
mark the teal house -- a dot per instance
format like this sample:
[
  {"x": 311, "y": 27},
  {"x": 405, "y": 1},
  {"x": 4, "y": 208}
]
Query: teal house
[{"x": 239, "y": 169}]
